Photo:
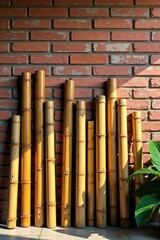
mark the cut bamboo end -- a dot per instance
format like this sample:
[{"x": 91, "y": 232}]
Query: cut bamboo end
[
  {"x": 14, "y": 170},
  {"x": 69, "y": 90},
  {"x": 112, "y": 88}
]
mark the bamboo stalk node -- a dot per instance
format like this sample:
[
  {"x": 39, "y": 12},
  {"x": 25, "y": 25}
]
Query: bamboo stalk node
[
  {"x": 66, "y": 206},
  {"x": 51, "y": 204},
  {"x": 80, "y": 174},
  {"x": 11, "y": 219},
  {"x": 25, "y": 182},
  {"x": 26, "y": 216},
  {"x": 80, "y": 206},
  {"x": 101, "y": 210},
  {"x": 39, "y": 206},
  {"x": 80, "y": 141},
  {"x": 26, "y": 110},
  {"x": 99, "y": 171},
  {"x": 67, "y": 173},
  {"x": 15, "y": 144},
  {"x": 68, "y": 100},
  {"x": 38, "y": 98},
  {"x": 50, "y": 160},
  {"x": 39, "y": 169},
  {"x": 90, "y": 148},
  {"x": 137, "y": 140},
  {"x": 68, "y": 134},
  {"x": 13, "y": 182},
  {"x": 39, "y": 132},
  {"x": 121, "y": 136},
  {"x": 111, "y": 170},
  {"x": 26, "y": 145}
]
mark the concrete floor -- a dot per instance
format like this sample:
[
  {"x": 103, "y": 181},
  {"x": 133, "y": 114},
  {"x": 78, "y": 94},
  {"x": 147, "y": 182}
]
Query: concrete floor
[{"x": 92, "y": 233}]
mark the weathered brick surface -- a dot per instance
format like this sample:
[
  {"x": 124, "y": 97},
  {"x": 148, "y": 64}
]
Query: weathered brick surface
[{"x": 88, "y": 41}]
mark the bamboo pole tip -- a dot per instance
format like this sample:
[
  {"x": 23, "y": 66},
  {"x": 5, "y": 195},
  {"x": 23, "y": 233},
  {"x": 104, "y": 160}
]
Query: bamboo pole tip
[
  {"x": 49, "y": 104},
  {"x": 101, "y": 98},
  {"x": 40, "y": 73},
  {"x": 112, "y": 87},
  {"x": 81, "y": 104},
  {"x": 26, "y": 75},
  {"x": 16, "y": 118},
  {"x": 136, "y": 114},
  {"x": 69, "y": 89},
  {"x": 122, "y": 101}
]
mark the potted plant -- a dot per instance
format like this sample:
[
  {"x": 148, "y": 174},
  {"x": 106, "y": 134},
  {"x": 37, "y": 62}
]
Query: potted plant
[{"x": 149, "y": 191}]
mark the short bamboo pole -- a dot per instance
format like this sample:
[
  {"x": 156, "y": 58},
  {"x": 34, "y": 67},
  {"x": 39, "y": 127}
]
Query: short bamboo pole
[
  {"x": 137, "y": 148},
  {"x": 26, "y": 151},
  {"x": 101, "y": 161},
  {"x": 14, "y": 169},
  {"x": 123, "y": 163},
  {"x": 50, "y": 165},
  {"x": 80, "y": 220},
  {"x": 39, "y": 147},
  {"x": 67, "y": 153},
  {"x": 90, "y": 175},
  {"x": 112, "y": 150}
]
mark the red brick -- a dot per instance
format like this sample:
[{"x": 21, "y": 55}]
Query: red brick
[
  {"x": 148, "y": 2},
  {"x": 155, "y": 36},
  {"x": 155, "y": 136},
  {"x": 130, "y": 12},
  {"x": 72, "y": 70},
  {"x": 12, "y": 58},
  {"x": 83, "y": 93},
  {"x": 150, "y": 70},
  {"x": 133, "y": 81},
  {"x": 49, "y": 35},
  {"x": 19, "y": 69},
  {"x": 155, "y": 82},
  {"x": 8, "y": 104},
  {"x": 90, "y": 35},
  {"x": 13, "y": 35},
  {"x": 89, "y": 12},
  {"x": 155, "y": 59},
  {"x": 134, "y": 104},
  {"x": 49, "y": 59},
  {"x": 111, "y": 70},
  {"x": 72, "y": 23},
  {"x": 30, "y": 23},
  {"x": 5, "y": 70},
  {"x": 130, "y": 35},
  {"x": 154, "y": 115},
  {"x": 4, "y": 115},
  {"x": 13, "y": 12},
  {"x": 147, "y": 47},
  {"x": 155, "y": 12},
  {"x": 113, "y": 2},
  {"x": 30, "y": 46},
  {"x": 112, "y": 47},
  {"x": 31, "y": 3},
  {"x": 129, "y": 59},
  {"x": 155, "y": 104},
  {"x": 57, "y": 93},
  {"x": 88, "y": 59},
  {"x": 147, "y": 24},
  {"x": 4, "y": 24},
  {"x": 5, "y": 3},
  {"x": 8, "y": 81},
  {"x": 123, "y": 93},
  {"x": 4, "y": 47},
  {"x": 145, "y": 93},
  {"x": 48, "y": 12},
  {"x": 151, "y": 126},
  {"x": 71, "y": 47},
  {"x": 4, "y": 93},
  {"x": 73, "y": 2},
  {"x": 112, "y": 23}
]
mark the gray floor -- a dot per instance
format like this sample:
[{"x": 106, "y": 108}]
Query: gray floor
[{"x": 71, "y": 233}]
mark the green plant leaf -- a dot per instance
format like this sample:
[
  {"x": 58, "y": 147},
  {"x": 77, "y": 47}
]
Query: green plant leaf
[
  {"x": 145, "y": 208},
  {"x": 154, "y": 149},
  {"x": 148, "y": 187},
  {"x": 144, "y": 171}
]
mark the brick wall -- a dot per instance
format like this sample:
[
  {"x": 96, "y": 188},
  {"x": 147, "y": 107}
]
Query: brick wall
[{"x": 89, "y": 41}]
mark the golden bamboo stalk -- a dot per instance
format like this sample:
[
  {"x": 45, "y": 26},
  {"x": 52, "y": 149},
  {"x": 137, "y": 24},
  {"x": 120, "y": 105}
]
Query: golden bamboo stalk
[
  {"x": 123, "y": 163},
  {"x": 91, "y": 175},
  {"x": 112, "y": 150},
  {"x": 101, "y": 161},
  {"x": 26, "y": 151},
  {"x": 14, "y": 169},
  {"x": 50, "y": 165},
  {"x": 137, "y": 148},
  {"x": 67, "y": 153},
  {"x": 39, "y": 147},
  {"x": 80, "y": 220}
]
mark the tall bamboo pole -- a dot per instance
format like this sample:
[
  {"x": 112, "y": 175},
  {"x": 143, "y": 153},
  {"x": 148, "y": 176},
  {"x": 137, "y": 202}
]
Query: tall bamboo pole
[
  {"x": 26, "y": 151},
  {"x": 50, "y": 165},
  {"x": 39, "y": 147},
  {"x": 137, "y": 148},
  {"x": 67, "y": 153},
  {"x": 80, "y": 221},
  {"x": 112, "y": 150},
  {"x": 101, "y": 161},
  {"x": 90, "y": 175},
  {"x": 14, "y": 169},
  {"x": 123, "y": 163}
]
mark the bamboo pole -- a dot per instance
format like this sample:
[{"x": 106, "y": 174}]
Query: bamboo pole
[
  {"x": 39, "y": 147},
  {"x": 67, "y": 153},
  {"x": 101, "y": 161},
  {"x": 80, "y": 221},
  {"x": 112, "y": 150},
  {"x": 137, "y": 148},
  {"x": 91, "y": 175},
  {"x": 50, "y": 165},
  {"x": 26, "y": 151},
  {"x": 14, "y": 169},
  {"x": 123, "y": 163}
]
